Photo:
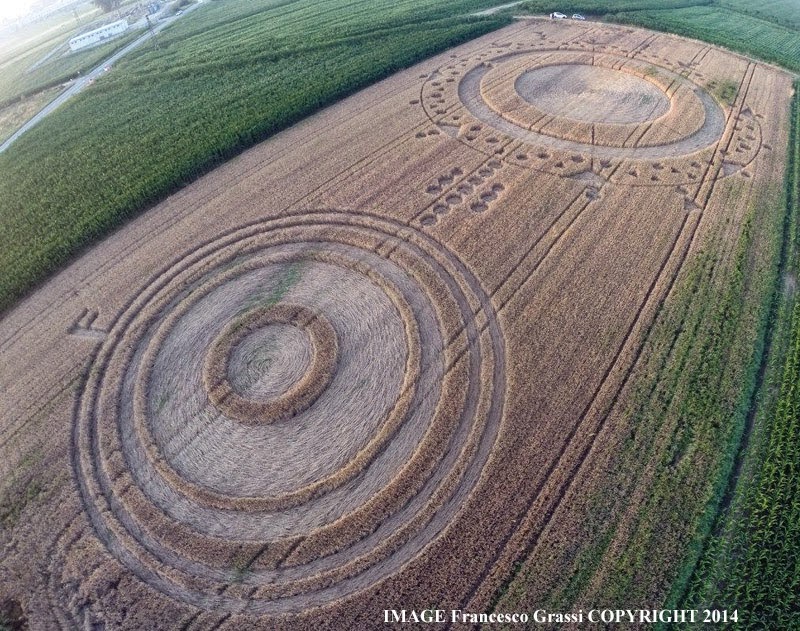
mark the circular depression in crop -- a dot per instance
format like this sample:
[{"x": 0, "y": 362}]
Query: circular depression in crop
[
  {"x": 615, "y": 109},
  {"x": 592, "y": 94},
  {"x": 310, "y": 398},
  {"x": 269, "y": 361}
]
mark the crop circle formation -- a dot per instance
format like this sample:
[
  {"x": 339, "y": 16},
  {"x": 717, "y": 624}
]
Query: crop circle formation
[
  {"x": 606, "y": 106},
  {"x": 290, "y": 413}
]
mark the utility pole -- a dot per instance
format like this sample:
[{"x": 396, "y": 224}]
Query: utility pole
[{"x": 152, "y": 32}]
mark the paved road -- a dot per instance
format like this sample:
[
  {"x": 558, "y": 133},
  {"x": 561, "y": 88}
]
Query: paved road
[
  {"x": 494, "y": 10},
  {"x": 88, "y": 79}
]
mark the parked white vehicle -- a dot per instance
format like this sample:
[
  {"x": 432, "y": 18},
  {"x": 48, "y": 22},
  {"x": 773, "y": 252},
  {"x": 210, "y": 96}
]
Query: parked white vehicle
[
  {"x": 577, "y": 16},
  {"x": 557, "y": 16}
]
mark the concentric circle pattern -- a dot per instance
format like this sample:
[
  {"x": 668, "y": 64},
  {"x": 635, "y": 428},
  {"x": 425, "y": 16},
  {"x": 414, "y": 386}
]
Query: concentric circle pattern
[
  {"x": 290, "y": 413},
  {"x": 569, "y": 108},
  {"x": 226, "y": 361}
]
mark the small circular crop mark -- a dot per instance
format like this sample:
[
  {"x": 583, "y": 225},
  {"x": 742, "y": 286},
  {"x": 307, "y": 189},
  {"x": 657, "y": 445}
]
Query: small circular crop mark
[
  {"x": 453, "y": 199},
  {"x": 522, "y": 156},
  {"x": 428, "y": 220},
  {"x": 479, "y": 207},
  {"x": 440, "y": 209}
]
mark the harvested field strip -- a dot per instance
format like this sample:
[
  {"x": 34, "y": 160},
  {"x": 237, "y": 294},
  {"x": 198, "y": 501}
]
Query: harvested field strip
[
  {"x": 615, "y": 576},
  {"x": 575, "y": 589}
]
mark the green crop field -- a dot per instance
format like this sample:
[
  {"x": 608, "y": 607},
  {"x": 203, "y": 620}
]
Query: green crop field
[
  {"x": 17, "y": 81},
  {"x": 784, "y": 12},
  {"x": 718, "y": 391},
  {"x": 768, "y": 31},
  {"x": 224, "y": 78},
  {"x": 750, "y": 560}
]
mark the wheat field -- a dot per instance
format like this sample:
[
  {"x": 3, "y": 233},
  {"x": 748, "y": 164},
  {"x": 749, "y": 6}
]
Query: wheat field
[{"x": 375, "y": 361}]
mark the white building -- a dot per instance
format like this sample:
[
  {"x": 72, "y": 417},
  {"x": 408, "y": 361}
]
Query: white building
[{"x": 98, "y": 35}]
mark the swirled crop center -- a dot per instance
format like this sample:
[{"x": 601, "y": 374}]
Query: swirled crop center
[
  {"x": 592, "y": 94},
  {"x": 269, "y": 361}
]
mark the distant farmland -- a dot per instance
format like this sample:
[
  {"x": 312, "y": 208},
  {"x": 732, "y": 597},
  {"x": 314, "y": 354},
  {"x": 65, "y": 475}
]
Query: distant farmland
[{"x": 483, "y": 336}]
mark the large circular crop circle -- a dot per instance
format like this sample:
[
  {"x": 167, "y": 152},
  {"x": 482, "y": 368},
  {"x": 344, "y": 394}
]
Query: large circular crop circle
[
  {"x": 605, "y": 106},
  {"x": 290, "y": 413},
  {"x": 592, "y": 94}
]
